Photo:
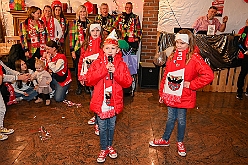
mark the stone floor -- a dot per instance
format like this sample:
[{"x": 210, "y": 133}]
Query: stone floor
[{"x": 216, "y": 132}]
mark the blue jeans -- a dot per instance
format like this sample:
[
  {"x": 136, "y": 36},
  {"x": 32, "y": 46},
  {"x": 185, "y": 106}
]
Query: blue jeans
[
  {"x": 106, "y": 130},
  {"x": 31, "y": 94},
  {"x": 174, "y": 114},
  {"x": 60, "y": 92}
]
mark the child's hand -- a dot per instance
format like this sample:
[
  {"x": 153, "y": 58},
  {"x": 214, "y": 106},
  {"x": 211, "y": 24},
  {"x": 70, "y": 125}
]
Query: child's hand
[
  {"x": 36, "y": 87},
  {"x": 110, "y": 67},
  {"x": 41, "y": 30},
  {"x": 26, "y": 94},
  {"x": 48, "y": 82},
  {"x": 186, "y": 84},
  {"x": 82, "y": 82},
  {"x": 160, "y": 100}
]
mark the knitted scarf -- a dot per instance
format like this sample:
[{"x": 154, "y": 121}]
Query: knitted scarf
[
  {"x": 173, "y": 86},
  {"x": 108, "y": 110},
  {"x": 38, "y": 39},
  {"x": 50, "y": 26},
  {"x": 62, "y": 23}
]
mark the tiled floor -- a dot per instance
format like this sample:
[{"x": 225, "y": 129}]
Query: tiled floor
[{"x": 216, "y": 133}]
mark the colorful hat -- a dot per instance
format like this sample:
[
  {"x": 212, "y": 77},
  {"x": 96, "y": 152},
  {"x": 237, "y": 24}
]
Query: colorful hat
[
  {"x": 112, "y": 38},
  {"x": 56, "y": 3}
]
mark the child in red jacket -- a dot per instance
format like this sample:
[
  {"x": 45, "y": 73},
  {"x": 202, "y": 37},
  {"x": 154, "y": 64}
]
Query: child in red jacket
[
  {"x": 108, "y": 74},
  {"x": 185, "y": 72}
]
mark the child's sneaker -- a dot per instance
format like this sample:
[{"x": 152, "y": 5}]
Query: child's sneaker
[
  {"x": 6, "y": 131},
  {"x": 3, "y": 137},
  {"x": 159, "y": 142},
  {"x": 112, "y": 152},
  {"x": 39, "y": 100},
  {"x": 181, "y": 149},
  {"x": 102, "y": 156},
  {"x": 96, "y": 130},
  {"x": 48, "y": 102},
  {"x": 92, "y": 120}
]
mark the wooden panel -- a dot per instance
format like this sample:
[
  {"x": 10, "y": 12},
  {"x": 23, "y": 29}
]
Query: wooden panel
[
  {"x": 230, "y": 80},
  {"x": 19, "y": 16}
]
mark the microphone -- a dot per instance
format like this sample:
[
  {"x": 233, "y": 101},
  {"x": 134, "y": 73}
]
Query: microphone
[{"x": 110, "y": 59}]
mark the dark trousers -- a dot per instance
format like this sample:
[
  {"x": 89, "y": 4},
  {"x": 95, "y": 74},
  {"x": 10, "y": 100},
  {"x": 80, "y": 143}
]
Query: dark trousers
[
  {"x": 75, "y": 63},
  {"x": 242, "y": 75}
]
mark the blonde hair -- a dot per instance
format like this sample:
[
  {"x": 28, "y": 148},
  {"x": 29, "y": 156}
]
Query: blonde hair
[
  {"x": 39, "y": 63},
  {"x": 80, "y": 7},
  {"x": 191, "y": 44}
]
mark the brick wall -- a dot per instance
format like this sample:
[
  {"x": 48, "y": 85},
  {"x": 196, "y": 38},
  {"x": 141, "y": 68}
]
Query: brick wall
[{"x": 149, "y": 26}]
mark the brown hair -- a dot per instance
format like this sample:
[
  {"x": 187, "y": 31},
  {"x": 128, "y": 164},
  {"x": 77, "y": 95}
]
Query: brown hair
[
  {"x": 18, "y": 68},
  {"x": 61, "y": 14},
  {"x": 87, "y": 37},
  {"x": 32, "y": 10},
  {"x": 213, "y": 7},
  {"x": 192, "y": 44},
  {"x": 53, "y": 44}
]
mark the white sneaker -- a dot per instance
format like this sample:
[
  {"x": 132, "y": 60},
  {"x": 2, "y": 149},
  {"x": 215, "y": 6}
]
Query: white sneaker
[
  {"x": 96, "y": 130},
  {"x": 3, "y": 137},
  {"x": 52, "y": 94},
  {"x": 92, "y": 120}
]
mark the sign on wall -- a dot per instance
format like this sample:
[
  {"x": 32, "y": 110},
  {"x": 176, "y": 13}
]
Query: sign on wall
[{"x": 220, "y": 5}]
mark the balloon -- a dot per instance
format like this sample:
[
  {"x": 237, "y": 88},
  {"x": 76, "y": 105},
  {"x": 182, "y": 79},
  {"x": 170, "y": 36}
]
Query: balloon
[{"x": 89, "y": 7}]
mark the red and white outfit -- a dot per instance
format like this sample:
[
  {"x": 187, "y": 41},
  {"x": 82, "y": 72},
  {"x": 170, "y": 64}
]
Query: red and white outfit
[
  {"x": 98, "y": 76},
  {"x": 90, "y": 54},
  {"x": 196, "y": 71},
  {"x": 59, "y": 66},
  {"x": 54, "y": 29}
]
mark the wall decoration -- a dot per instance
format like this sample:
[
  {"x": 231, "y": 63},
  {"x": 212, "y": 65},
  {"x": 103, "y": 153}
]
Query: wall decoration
[{"x": 220, "y": 5}]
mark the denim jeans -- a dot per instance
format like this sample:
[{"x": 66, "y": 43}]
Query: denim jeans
[
  {"x": 106, "y": 130},
  {"x": 31, "y": 94},
  {"x": 60, "y": 92},
  {"x": 174, "y": 114}
]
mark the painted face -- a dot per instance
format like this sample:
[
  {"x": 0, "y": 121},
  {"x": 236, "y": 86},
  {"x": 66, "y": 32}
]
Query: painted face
[
  {"x": 47, "y": 12},
  {"x": 51, "y": 50},
  {"x": 36, "y": 15},
  {"x": 57, "y": 11},
  {"x": 104, "y": 10},
  {"x": 211, "y": 13},
  {"x": 110, "y": 49},
  {"x": 181, "y": 45},
  {"x": 82, "y": 13},
  {"x": 23, "y": 66},
  {"x": 95, "y": 33},
  {"x": 39, "y": 68},
  {"x": 128, "y": 8}
]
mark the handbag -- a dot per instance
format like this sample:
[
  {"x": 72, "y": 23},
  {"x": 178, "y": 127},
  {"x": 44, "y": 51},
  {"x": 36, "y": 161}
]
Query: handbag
[{"x": 131, "y": 60}]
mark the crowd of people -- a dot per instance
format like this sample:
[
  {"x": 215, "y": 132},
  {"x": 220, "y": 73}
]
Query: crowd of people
[{"x": 100, "y": 70}]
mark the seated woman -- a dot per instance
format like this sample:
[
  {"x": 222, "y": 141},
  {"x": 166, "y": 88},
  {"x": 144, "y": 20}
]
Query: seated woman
[{"x": 61, "y": 75}]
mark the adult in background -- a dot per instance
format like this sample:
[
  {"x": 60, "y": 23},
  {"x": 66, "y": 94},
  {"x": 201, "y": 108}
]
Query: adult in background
[
  {"x": 129, "y": 25},
  {"x": 77, "y": 35},
  {"x": 105, "y": 19},
  {"x": 202, "y": 23},
  {"x": 33, "y": 36},
  {"x": 59, "y": 15},
  {"x": 61, "y": 75},
  {"x": 54, "y": 29},
  {"x": 243, "y": 45}
]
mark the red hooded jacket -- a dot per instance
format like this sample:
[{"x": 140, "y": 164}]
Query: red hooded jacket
[
  {"x": 198, "y": 73},
  {"x": 95, "y": 77}
]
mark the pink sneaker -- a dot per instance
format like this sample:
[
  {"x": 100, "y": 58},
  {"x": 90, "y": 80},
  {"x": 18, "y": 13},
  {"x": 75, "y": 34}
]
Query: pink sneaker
[
  {"x": 96, "y": 130},
  {"x": 159, "y": 142},
  {"x": 102, "y": 156},
  {"x": 112, "y": 152},
  {"x": 181, "y": 149}
]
